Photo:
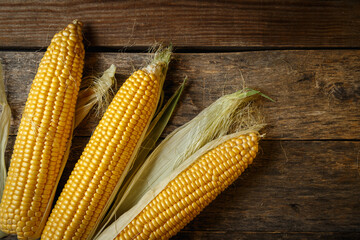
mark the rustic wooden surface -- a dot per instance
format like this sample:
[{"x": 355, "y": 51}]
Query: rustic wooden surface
[
  {"x": 266, "y": 23},
  {"x": 305, "y": 182},
  {"x": 310, "y": 88}
]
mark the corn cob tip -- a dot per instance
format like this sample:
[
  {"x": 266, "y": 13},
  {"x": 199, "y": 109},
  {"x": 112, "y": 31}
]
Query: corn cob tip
[
  {"x": 73, "y": 32},
  {"x": 163, "y": 54},
  {"x": 77, "y": 22},
  {"x": 159, "y": 64}
]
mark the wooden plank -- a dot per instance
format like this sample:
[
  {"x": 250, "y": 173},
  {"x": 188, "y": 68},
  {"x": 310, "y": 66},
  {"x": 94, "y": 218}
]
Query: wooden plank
[
  {"x": 296, "y": 186},
  {"x": 317, "y": 93},
  {"x": 266, "y": 23},
  {"x": 196, "y": 235},
  {"x": 292, "y": 186},
  {"x": 235, "y": 235}
]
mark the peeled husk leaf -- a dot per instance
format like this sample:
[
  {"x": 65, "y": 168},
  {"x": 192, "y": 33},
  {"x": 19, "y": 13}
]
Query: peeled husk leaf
[
  {"x": 5, "y": 118},
  {"x": 158, "y": 66},
  {"x": 231, "y": 115},
  {"x": 97, "y": 92}
]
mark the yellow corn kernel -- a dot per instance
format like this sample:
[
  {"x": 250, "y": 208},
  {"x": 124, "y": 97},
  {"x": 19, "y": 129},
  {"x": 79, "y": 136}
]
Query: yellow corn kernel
[
  {"x": 191, "y": 191},
  {"x": 43, "y": 135},
  {"x": 104, "y": 159}
]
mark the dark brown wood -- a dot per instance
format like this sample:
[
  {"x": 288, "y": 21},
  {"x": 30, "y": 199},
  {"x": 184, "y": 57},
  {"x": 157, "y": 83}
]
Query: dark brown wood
[
  {"x": 267, "y": 23},
  {"x": 296, "y": 186},
  {"x": 317, "y": 93},
  {"x": 236, "y": 235},
  {"x": 221, "y": 235},
  {"x": 294, "y": 189},
  {"x": 304, "y": 183}
]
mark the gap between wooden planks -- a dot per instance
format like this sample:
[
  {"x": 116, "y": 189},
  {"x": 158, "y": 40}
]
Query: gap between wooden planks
[{"x": 316, "y": 93}]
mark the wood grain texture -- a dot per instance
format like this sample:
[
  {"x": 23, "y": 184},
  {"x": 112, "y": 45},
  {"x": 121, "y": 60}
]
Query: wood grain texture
[
  {"x": 231, "y": 235},
  {"x": 293, "y": 190},
  {"x": 266, "y": 23},
  {"x": 236, "y": 235},
  {"x": 317, "y": 93},
  {"x": 304, "y": 183}
]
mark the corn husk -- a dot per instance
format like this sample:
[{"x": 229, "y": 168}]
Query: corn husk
[
  {"x": 96, "y": 93},
  {"x": 5, "y": 119},
  {"x": 231, "y": 115}
]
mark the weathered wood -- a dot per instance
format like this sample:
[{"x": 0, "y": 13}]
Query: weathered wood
[
  {"x": 317, "y": 93},
  {"x": 266, "y": 23},
  {"x": 292, "y": 186},
  {"x": 221, "y": 235},
  {"x": 236, "y": 235},
  {"x": 296, "y": 186}
]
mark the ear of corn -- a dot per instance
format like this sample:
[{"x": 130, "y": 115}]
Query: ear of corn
[
  {"x": 154, "y": 132},
  {"x": 108, "y": 155},
  {"x": 192, "y": 190},
  {"x": 175, "y": 201},
  {"x": 233, "y": 113},
  {"x": 43, "y": 135}
]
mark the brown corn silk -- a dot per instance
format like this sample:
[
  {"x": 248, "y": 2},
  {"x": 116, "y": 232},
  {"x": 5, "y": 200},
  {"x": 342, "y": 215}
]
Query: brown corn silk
[
  {"x": 43, "y": 135},
  {"x": 108, "y": 155}
]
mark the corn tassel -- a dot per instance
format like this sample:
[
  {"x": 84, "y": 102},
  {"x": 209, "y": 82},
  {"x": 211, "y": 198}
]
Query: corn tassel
[{"x": 43, "y": 135}]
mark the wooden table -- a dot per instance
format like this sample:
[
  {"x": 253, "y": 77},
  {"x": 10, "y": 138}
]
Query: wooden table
[{"x": 304, "y": 54}]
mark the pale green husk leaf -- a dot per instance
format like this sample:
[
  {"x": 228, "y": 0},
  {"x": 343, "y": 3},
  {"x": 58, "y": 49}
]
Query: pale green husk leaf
[
  {"x": 230, "y": 115},
  {"x": 5, "y": 118},
  {"x": 2, "y": 234},
  {"x": 97, "y": 92}
]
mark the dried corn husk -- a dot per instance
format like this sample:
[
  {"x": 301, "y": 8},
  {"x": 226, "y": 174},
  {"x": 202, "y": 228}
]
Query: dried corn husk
[
  {"x": 5, "y": 118},
  {"x": 96, "y": 92}
]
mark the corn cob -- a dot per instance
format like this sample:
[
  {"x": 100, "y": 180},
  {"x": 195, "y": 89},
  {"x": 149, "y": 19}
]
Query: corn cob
[
  {"x": 192, "y": 190},
  {"x": 43, "y": 135},
  {"x": 106, "y": 157}
]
